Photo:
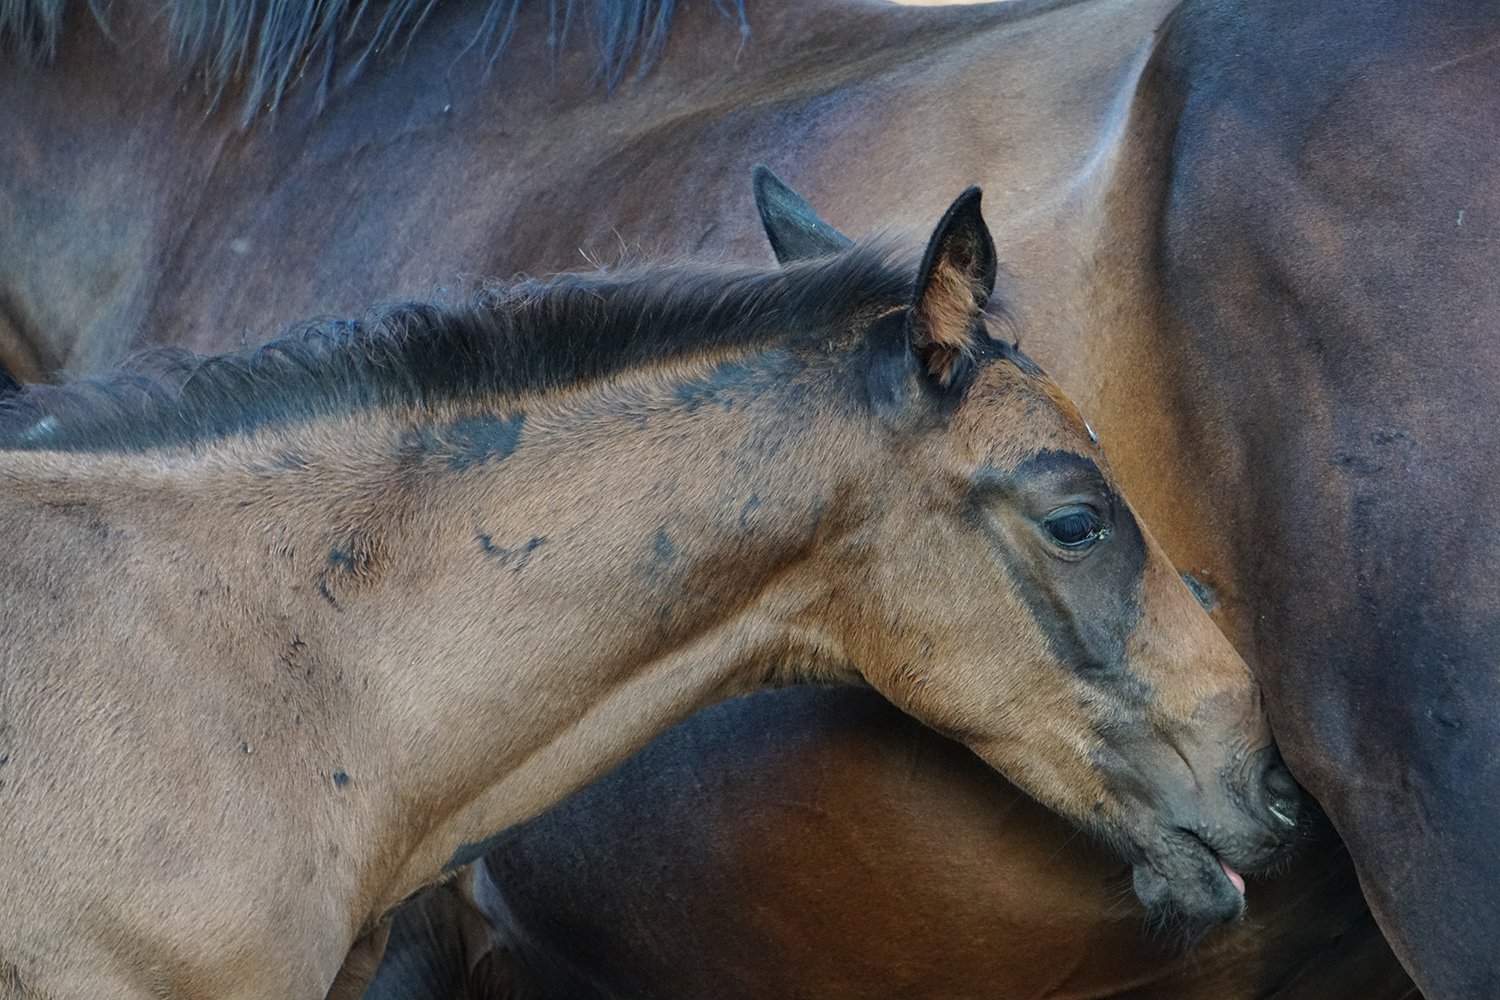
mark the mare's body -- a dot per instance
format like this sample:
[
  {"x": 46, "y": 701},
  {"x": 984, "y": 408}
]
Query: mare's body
[
  {"x": 1330, "y": 251},
  {"x": 864, "y": 857},
  {"x": 133, "y": 217}
]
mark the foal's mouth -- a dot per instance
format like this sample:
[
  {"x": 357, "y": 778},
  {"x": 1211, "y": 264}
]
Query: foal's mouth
[
  {"x": 1235, "y": 878},
  {"x": 1186, "y": 878}
]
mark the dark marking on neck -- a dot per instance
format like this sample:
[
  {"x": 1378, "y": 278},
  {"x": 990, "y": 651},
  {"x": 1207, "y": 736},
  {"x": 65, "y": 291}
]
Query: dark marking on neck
[
  {"x": 351, "y": 566},
  {"x": 475, "y": 440},
  {"x": 739, "y": 383},
  {"x": 747, "y": 514},
  {"x": 516, "y": 558},
  {"x": 663, "y": 546}
]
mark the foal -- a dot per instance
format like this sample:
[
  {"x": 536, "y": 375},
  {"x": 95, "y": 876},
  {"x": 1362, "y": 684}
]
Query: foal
[{"x": 287, "y": 636}]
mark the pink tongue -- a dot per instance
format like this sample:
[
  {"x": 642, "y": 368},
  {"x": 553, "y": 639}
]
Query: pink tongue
[{"x": 1234, "y": 877}]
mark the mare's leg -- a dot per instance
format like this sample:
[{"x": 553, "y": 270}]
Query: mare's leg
[
  {"x": 493, "y": 972},
  {"x": 360, "y": 964},
  {"x": 443, "y": 947}
]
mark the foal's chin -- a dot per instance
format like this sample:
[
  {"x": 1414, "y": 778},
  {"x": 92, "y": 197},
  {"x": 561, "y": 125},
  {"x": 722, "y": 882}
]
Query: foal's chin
[{"x": 1186, "y": 886}]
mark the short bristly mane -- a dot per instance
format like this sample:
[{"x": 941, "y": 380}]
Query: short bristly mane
[
  {"x": 523, "y": 339},
  {"x": 270, "y": 46}
]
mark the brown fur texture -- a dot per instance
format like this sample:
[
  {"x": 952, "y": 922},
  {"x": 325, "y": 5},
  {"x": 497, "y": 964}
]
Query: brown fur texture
[{"x": 959, "y": 277}]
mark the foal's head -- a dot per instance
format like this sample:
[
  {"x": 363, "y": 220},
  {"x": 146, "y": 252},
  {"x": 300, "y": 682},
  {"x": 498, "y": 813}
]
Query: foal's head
[{"x": 1009, "y": 597}]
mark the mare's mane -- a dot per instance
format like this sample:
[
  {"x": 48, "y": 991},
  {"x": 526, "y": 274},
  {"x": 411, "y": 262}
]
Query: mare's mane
[
  {"x": 531, "y": 337},
  {"x": 271, "y": 45}
]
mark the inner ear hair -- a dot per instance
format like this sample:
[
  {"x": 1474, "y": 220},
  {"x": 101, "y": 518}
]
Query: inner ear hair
[{"x": 945, "y": 322}]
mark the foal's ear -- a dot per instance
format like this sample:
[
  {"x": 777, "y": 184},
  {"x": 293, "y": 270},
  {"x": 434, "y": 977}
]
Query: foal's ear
[
  {"x": 953, "y": 287},
  {"x": 794, "y": 229}
]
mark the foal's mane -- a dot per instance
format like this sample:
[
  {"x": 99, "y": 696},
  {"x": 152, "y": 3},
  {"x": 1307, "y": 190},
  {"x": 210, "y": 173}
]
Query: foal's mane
[
  {"x": 270, "y": 44},
  {"x": 527, "y": 338}
]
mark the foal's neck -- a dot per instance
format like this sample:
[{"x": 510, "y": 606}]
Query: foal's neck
[{"x": 537, "y": 588}]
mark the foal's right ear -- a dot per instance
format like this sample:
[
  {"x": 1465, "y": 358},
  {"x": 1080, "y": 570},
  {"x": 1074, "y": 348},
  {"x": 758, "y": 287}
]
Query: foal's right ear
[
  {"x": 794, "y": 229},
  {"x": 953, "y": 287}
]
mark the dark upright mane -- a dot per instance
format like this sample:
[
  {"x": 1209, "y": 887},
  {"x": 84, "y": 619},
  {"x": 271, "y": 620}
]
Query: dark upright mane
[
  {"x": 527, "y": 338},
  {"x": 269, "y": 45}
]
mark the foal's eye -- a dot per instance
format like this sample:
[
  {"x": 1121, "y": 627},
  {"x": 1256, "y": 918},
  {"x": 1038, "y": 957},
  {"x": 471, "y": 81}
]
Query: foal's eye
[{"x": 1075, "y": 527}]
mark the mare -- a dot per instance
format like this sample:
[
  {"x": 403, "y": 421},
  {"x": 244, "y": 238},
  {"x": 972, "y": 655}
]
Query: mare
[
  {"x": 1262, "y": 267},
  {"x": 289, "y": 635}
]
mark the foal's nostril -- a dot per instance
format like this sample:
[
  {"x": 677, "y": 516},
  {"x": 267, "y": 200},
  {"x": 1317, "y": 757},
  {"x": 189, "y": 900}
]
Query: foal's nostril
[
  {"x": 1283, "y": 797},
  {"x": 1284, "y": 811}
]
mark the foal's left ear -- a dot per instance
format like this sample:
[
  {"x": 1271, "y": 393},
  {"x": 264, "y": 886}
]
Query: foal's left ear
[{"x": 953, "y": 287}]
